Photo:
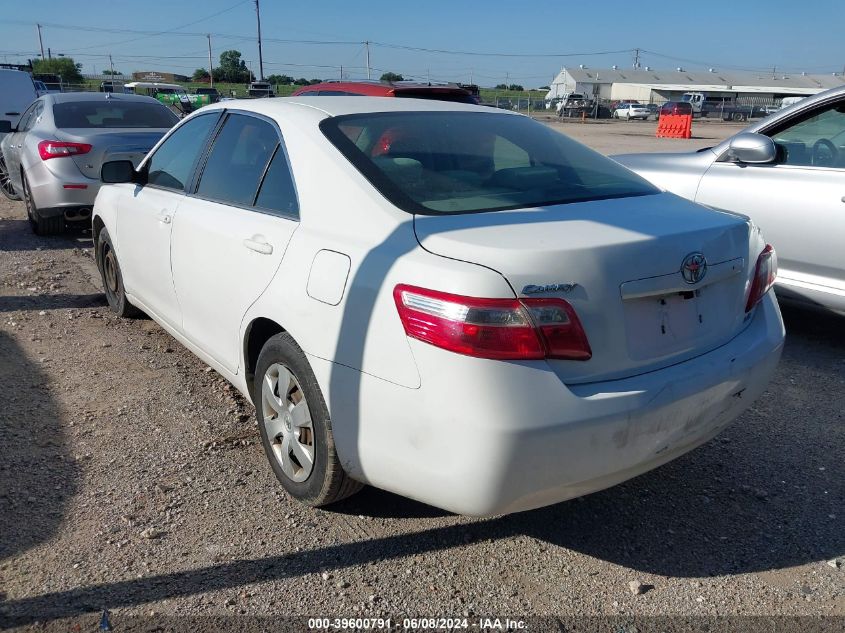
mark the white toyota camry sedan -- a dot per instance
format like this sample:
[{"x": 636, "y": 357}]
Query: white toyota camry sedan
[{"x": 453, "y": 303}]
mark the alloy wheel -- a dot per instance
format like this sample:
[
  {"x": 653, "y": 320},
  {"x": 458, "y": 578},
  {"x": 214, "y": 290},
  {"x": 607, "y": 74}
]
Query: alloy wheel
[
  {"x": 6, "y": 182},
  {"x": 287, "y": 420}
]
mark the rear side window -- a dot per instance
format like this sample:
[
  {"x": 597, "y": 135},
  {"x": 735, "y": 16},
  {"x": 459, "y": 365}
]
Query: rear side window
[
  {"x": 468, "y": 162},
  {"x": 171, "y": 165},
  {"x": 277, "y": 191},
  {"x": 238, "y": 159},
  {"x": 112, "y": 113}
]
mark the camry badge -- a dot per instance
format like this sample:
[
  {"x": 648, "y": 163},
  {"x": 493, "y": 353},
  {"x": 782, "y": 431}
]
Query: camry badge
[
  {"x": 564, "y": 287},
  {"x": 693, "y": 268}
]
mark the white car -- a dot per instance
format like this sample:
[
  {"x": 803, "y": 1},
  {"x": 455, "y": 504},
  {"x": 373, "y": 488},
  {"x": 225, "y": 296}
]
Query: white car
[
  {"x": 630, "y": 111},
  {"x": 455, "y": 304}
]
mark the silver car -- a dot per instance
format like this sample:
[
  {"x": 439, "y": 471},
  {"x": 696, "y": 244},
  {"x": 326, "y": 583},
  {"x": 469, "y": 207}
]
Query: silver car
[
  {"x": 53, "y": 157},
  {"x": 787, "y": 173}
]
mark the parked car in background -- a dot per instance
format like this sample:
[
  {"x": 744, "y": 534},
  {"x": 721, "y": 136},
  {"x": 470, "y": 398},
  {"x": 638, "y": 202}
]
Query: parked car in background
[
  {"x": 260, "y": 89},
  {"x": 112, "y": 85},
  {"x": 17, "y": 91},
  {"x": 409, "y": 314},
  {"x": 630, "y": 111},
  {"x": 675, "y": 107},
  {"x": 212, "y": 93},
  {"x": 401, "y": 89},
  {"x": 53, "y": 155},
  {"x": 788, "y": 173},
  {"x": 654, "y": 110},
  {"x": 574, "y": 104},
  {"x": 51, "y": 81}
]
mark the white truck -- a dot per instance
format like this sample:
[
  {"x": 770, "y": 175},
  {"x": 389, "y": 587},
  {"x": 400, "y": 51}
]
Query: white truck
[{"x": 721, "y": 105}]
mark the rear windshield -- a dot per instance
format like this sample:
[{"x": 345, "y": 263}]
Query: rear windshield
[
  {"x": 466, "y": 162},
  {"x": 453, "y": 96},
  {"x": 112, "y": 113}
]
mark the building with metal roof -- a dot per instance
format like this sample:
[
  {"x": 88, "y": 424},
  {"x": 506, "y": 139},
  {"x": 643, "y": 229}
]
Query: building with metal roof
[{"x": 655, "y": 86}]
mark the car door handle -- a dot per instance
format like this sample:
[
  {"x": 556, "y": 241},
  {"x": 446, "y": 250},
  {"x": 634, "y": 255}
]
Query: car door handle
[
  {"x": 164, "y": 217},
  {"x": 259, "y": 246}
]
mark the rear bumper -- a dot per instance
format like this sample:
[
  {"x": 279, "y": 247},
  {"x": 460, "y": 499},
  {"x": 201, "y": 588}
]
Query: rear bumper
[
  {"x": 50, "y": 190},
  {"x": 489, "y": 437}
]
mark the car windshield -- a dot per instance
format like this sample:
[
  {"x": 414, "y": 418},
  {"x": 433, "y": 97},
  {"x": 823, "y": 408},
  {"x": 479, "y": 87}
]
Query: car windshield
[
  {"x": 465, "y": 162},
  {"x": 112, "y": 113}
]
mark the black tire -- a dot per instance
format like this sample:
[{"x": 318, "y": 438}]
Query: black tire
[
  {"x": 112, "y": 277},
  {"x": 53, "y": 225},
  {"x": 6, "y": 185},
  {"x": 326, "y": 482}
]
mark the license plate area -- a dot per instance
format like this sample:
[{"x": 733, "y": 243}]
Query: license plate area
[{"x": 670, "y": 323}]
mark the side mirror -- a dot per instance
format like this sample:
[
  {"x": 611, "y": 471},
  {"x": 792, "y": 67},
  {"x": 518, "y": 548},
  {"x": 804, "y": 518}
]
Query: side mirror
[
  {"x": 748, "y": 147},
  {"x": 5, "y": 126},
  {"x": 116, "y": 171}
]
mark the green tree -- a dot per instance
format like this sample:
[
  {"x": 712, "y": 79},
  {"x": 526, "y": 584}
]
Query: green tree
[
  {"x": 315, "y": 81},
  {"x": 232, "y": 68},
  {"x": 112, "y": 72},
  {"x": 200, "y": 74},
  {"x": 392, "y": 77},
  {"x": 64, "y": 67},
  {"x": 516, "y": 87},
  {"x": 501, "y": 86},
  {"x": 284, "y": 80},
  {"x": 302, "y": 81},
  {"x": 543, "y": 88}
]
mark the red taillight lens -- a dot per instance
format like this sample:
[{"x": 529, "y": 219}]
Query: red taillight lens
[
  {"x": 505, "y": 329},
  {"x": 559, "y": 328},
  {"x": 764, "y": 276},
  {"x": 57, "y": 149}
]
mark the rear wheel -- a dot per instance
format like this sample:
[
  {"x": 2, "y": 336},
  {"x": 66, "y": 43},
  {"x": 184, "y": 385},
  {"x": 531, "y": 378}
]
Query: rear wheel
[
  {"x": 295, "y": 426},
  {"x": 112, "y": 277},
  {"x": 53, "y": 225},
  {"x": 739, "y": 116},
  {"x": 6, "y": 183}
]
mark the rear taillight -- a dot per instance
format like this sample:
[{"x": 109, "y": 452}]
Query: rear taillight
[
  {"x": 505, "y": 329},
  {"x": 57, "y": 149},
  {"x": 764, "y": 276}
]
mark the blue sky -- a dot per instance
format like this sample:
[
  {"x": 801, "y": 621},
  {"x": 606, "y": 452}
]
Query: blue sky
[{"x": 793, "y": 36}]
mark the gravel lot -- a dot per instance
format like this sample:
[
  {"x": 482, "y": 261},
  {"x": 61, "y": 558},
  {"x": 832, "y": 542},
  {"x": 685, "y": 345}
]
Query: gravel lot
[{"x": 132, "y": 478}]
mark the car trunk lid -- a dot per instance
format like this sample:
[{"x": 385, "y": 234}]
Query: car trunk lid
[
  {"x": 619, "y": 264},
  {"x": 113, "y": 144}
]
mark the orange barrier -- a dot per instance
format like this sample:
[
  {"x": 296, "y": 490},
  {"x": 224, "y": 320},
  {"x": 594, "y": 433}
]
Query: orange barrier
[{"x": 674, "y": 126}]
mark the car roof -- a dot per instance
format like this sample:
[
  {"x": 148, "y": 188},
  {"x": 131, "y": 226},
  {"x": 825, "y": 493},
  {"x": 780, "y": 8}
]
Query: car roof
[
  {"x": 68, "y": 97},
  {"x": 381, "y": 88},
  {"x": 307, "y": 106}
]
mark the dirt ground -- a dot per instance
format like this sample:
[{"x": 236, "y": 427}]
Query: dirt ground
[{"x": 132, "y": 479}]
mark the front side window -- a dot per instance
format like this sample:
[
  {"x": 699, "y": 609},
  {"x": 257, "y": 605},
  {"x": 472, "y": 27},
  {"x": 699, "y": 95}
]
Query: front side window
[
  {"x": 171, "y": 165},
  {"x": 238, "y": 160},
  {"x": 27, "y": 118},
  {"x": 106, "y": 113},
  {"x": 466, "y": 162},
  {"x": 817, "y": 140}
]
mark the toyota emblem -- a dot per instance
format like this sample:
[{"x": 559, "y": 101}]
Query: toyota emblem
[{"x": 694, "y": 268}]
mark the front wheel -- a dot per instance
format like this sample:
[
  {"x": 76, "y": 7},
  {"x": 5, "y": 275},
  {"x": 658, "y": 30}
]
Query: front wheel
[
  {"x": 112, "y": 277},
  {"x": 295, "y": 427}
]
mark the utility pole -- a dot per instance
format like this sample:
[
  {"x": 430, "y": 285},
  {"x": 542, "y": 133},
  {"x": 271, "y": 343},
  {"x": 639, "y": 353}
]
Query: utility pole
[
  {"x": 49, "y": 53},
  {"x": 40, "y": 41},
  {"x": 341, "y": 72},
  {"x": 367, "y": 45},
  {"x": 210, "y": 69},
  {"x": 636, "y": 59},
  {"x": 260, "y": 58},
  {"x": 111, "y": 65}
]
